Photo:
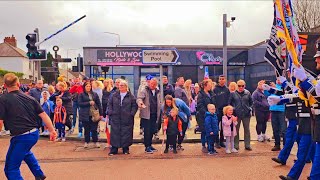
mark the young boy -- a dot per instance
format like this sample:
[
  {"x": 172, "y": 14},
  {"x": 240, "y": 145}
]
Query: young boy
[
  {"x": 60, "y": 116},
  {"x": 172, "y": 126},
  {"x": 211, "y": 127}
]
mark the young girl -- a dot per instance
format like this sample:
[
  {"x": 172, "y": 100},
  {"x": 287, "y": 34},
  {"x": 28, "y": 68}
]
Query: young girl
[
  {"x": 47, "y": 107},
  {"x": 172, "y": 126},
  {"x": 229, "y": 123},
  {"x": 60, "y": 116}
]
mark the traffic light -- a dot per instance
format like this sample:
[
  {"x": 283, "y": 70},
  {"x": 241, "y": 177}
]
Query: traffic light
[
  {"x": 31, "y": 45},
  {"x": 80, "y": 63}
]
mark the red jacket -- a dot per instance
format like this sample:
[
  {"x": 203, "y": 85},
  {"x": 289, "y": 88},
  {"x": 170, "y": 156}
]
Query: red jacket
[{"x": 76, "y": 89}]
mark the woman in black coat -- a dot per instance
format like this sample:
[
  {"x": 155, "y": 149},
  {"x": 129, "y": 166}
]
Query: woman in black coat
[
  {"x": 64, "y": 94},
  {"x": 85, "y": 103},
  {"x": 205, "y": 97},
  {"x": 122, "y": 108},
  {"x": 106, "y": 92}
]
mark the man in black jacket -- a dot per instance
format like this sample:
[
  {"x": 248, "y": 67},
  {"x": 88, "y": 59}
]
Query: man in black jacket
[
  {"x": 222, "y": 97},
  {"x": 167, "y": 88}
]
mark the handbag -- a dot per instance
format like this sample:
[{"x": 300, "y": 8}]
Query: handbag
[{"x": 94, "y": 112}]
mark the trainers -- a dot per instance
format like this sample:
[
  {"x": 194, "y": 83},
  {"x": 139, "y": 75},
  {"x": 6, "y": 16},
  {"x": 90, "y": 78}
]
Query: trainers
[
  {"x": 79, "y": 135},
  {"x": 63, "y": 140},
  {"x": 156, "y": 137},
  {"x": 166, "y": 151},
  {"x": 175, "y": 151},
  {"x": 179, "y": 147},
  {"x": 234, "y": 150},
  {"x": 248, "y": 148},
  {"x": 97, "y": 145},
  {"x": 204, "y": 149},
  {"x": 211, "y": 153},
  {"x": 126, "y": 152},
  {"x": 260, "y": 138},
  {"x": 171, "y": 148},
  {"x": 228, "y": 151},
  {"x": 86, "y": 145},
  {"x": 57, "y": 140},
  {"x": 153, "y": 149},
  {"x": 148, "y": 150}
]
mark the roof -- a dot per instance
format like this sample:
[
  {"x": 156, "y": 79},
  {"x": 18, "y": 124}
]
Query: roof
[{"x": 7, "y": 50}]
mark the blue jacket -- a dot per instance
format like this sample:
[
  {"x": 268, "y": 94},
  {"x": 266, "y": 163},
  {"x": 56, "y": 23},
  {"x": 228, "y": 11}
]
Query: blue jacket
[
  {"x": 48, "y": 107},
  {"x": 211, "y": 123},
  {"x": 184, "y": 111},
  {"x": 279, "y": 108}
]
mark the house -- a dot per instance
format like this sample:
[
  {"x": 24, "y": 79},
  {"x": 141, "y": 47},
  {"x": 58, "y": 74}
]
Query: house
[{"x": 14, "y": 59}]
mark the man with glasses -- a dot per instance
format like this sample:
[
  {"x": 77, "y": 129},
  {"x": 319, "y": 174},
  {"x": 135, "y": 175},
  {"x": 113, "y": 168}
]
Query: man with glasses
[{"x": 241, "y": 101}]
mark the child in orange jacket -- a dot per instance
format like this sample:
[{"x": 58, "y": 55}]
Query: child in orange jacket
[{"x": 172, "y": 126}]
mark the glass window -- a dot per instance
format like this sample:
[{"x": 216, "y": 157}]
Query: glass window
[
  {"x": 128, "y": 78},
  {"x": 122, "y": 69}
]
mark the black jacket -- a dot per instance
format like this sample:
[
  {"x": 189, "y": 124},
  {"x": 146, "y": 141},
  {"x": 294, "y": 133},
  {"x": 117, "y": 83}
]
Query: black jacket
[
  {"x": 202, "y": 103},
  {"x": 66, "y": 100},
  {"x": 222, "y": 96},
  {"x": 105, "y": 99},
  {"x": 242, "y": 103},
  {"x": 84, "y": 105},
  {"x": 122, "y": 119},
  {"x": 168, "y": 90},
  {"x": 260, "y": 101}
]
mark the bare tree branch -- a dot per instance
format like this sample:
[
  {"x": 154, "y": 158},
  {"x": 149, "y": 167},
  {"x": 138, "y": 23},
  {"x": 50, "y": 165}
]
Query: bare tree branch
[{"x": 307, "y": 14}]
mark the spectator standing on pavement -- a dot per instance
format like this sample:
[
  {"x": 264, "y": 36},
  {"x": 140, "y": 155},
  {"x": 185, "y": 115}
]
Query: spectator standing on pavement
[
  {"x": 212, "y": 128},
  {"x": 106, "y": 92},
  {"x": 222, "y": 95},
  {"x": 75, "y": 90},
  {"x": 47, "y": 107},
  {"x": 233, "y": 87},
  {"x": 187, "y": 88},
  {"x": 59, "y": 120},
  {"x": 261, "y": 108},
  {"x": 149, "y": 102},
  {"x": 37, "y": 90},
  {"x": 167, "y": 88},
  {"x": 180, "y": 92},
  {"x": 183, "y": 113},
  {"x": 24, "y": 129},
  {"x": 122, "y": 109},
  {"x": 242, "y": 102},
  {"x": 97, "y": 87},
  {"x": 172, "y": 127},
  {"x": 65, "y": 95},
  {"x": 87, "y": 99},
  {"x": 205, "y": 97},
  {"x": 278, "y": 122},
  {"x": 229, "y": 123}
]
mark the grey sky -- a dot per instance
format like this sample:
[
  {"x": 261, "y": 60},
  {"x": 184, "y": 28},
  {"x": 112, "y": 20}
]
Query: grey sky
[{"x": 138, "y": 23}]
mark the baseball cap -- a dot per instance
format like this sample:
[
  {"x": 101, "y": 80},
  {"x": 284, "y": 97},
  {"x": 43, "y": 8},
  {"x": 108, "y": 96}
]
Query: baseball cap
[
  {"x": 317, "y": 54},
  {"x": 149, "y": 77}
]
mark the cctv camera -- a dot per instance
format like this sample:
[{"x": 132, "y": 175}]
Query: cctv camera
[{"x": 233, "y": 18}]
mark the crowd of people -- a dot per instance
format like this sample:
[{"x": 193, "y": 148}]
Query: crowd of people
[{"x": 219, "y": 111}]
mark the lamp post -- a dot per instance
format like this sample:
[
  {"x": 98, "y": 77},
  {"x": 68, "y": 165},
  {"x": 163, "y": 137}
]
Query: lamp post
[
  {"x": 118, "y": 35},
  {"x": 226, "y": 24}
]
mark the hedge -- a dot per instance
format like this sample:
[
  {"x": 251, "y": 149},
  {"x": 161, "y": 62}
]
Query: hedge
[{"x": 3, "y": 72}]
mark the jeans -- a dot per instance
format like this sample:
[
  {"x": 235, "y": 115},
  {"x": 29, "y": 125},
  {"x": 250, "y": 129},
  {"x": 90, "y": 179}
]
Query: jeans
[
  {"x": 61, "y": 130},
  {"x": 262, "y": 119},
  {"x": 75, "y": 108},
  {"x": 184, "y": 129},
  {"x": 315, "y": 170},
  {"x": 279, "y": 126},
  {"x": 203, "y": 138},
  {"x": 149, "y": 129},
  {"x": 246, "y": 127},
  {"x": 303, "y": 151},
  {"x": 20, "y": 150},
  {"x": 90, "y": 126},
  {"x": 291, "y": 137},
  {"x": 211, "y": 140}
]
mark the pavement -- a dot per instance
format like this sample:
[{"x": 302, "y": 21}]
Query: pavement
[
  {"x": 190, "y": 138},
  {"x": 69, "y": 160}
]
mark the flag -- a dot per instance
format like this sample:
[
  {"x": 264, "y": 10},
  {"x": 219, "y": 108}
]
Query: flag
[
  {"x": 275, "y": 53},
  {"x": 206, "y": 72}
]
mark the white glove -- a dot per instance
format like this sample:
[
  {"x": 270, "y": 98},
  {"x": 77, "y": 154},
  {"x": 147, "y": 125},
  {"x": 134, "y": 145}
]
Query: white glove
[
  {"x": 299, "y": 74},
  {"x": 273, "y": 100},
  {"x": 266, "y": 87},
  {"x": 282, "y": 79},
  {"x": 318, "y": 88}
]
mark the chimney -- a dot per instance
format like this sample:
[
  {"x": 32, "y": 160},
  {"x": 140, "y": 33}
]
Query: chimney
[{"x": 11, "y": 40}]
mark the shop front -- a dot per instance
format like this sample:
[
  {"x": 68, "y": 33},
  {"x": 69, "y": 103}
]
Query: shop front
[{"x": 126, "y": 62}]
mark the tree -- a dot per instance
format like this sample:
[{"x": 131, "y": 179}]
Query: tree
[
  {"x": 307, "y": 14},
  {"x": 48, "y": 76}
]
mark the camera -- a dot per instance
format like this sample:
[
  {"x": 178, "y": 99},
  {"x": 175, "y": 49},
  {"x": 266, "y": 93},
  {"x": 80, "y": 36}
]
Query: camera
[{"x": 233, "y": 18}]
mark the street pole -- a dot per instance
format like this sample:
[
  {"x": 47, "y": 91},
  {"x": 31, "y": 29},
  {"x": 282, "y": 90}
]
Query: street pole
[
  {"x": 38, "y": 62},
  {"x": 79, "y": 56},
  {"x": 225, "y": 58},
  {"x": 161, "y": 82}
]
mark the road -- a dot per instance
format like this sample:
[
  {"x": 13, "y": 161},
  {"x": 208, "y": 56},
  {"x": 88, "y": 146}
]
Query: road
[{"x": 69, "y": 160}]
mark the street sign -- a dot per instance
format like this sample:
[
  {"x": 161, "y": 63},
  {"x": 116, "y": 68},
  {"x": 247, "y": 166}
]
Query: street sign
[
  {"x": 49, "y": 69},
  {"x": 159, "y": 56}
]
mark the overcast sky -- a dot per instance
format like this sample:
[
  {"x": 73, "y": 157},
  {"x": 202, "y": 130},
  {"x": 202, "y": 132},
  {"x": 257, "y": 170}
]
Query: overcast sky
[{"x": 138, "y": 23}]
